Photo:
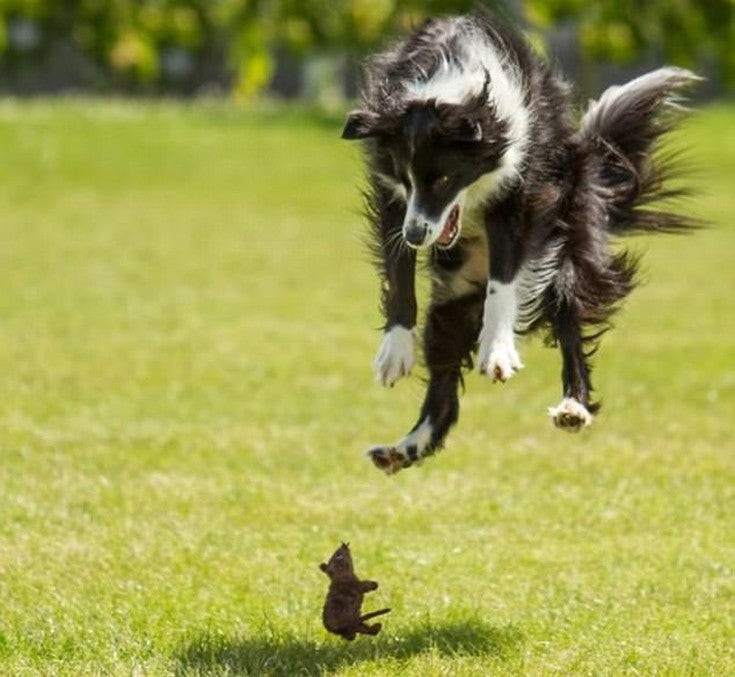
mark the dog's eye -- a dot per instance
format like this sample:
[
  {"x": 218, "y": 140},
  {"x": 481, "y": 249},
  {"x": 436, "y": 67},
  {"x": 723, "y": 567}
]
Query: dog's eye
[{"x": 440, "y": 184}]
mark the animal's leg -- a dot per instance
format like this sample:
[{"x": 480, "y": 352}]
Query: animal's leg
[
  {"x": 366, "y": 629},
  {"x": 395, "y": 356},
  {"x": 449, "y": 337},
  {"x": 574, "y": 412},
  {"x": 368, "y": 586},
  {"x": 497, "y": 355},
  {"x": 397, "y": 268}
]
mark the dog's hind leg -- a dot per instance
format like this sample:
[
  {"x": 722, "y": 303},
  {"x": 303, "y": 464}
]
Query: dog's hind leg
[
  {"x": 449, "y": 336},
  {"x": 575, "y": 411}
]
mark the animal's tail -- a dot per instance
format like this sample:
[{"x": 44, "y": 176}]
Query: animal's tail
[
  {"x": 623, "y": 127},
  {"x": 622, "y": 185},
  {"x": 373, "y": 614}
]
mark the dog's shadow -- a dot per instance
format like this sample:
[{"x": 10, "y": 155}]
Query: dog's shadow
[{"x": 292, "y": 655}]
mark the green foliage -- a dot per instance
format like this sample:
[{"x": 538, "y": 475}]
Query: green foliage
[
  {"x": 354, "y": 25},
  {"x": 160, "y": 43},
  {"x": 686, "y": 32},
  {"x": 129, "y": 39}
]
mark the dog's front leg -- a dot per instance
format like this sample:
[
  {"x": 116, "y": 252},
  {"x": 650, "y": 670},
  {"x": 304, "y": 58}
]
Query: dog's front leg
[
  {"x": 449, "y": 336},
  {"x": 497, "y": 355},
  {"x": 395, "y": 357}
]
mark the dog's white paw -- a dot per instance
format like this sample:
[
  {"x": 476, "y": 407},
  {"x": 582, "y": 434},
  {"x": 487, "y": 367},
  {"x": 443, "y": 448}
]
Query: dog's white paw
[
  {"x": 498, "y": 358},
  {"x": 411, "y": 450},
  {"x": 395, "y": 357},
  {"x": 570, "y": 415}
]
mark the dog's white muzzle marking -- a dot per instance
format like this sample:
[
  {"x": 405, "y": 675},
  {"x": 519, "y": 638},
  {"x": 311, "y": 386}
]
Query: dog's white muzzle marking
[{"x": 420, "y": 230}]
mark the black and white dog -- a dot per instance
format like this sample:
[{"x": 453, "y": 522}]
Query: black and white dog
[{"x": 473, "y": 154}]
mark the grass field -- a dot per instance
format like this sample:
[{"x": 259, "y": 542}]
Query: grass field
[{"x": 187, "y": 322}]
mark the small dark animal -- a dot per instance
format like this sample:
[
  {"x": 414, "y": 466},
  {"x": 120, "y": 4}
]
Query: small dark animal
[
  {"x": 341, "y": 614},
  {"x": 475, "y": 154}
]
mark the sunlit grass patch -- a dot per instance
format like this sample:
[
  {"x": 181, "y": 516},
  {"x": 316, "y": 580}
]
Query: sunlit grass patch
[{"x": 187, "y": 320}]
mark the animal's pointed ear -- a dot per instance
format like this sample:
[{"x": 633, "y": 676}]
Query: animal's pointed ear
[
  {"x": 360, "y": 125},
  {"x": 469, "y": 130}
]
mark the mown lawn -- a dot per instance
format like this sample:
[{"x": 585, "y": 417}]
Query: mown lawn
[{"x": 187, "y": 321}]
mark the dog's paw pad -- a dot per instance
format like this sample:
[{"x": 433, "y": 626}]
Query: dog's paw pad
[
  {"x": 570, "y": 415},
  {"x": 411, "y": 450},
  {"x": 388, "y": 459}
]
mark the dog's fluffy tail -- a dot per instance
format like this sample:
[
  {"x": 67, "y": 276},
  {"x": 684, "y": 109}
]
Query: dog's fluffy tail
[
  {"x": 624, "y": 184},
  {"x": 623, "y": 128}
]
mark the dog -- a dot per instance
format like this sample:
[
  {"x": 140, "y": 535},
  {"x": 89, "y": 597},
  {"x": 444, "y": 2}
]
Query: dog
[{"x": 474, "y": 155}]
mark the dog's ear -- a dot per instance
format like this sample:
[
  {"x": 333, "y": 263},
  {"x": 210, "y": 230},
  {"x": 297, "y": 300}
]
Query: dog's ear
[
  {"x": 360, "y": 125},
  {"x": 468, "y": 130},
  {"x": 460, "y": 124},
  {"x": 464, "y": 120}
]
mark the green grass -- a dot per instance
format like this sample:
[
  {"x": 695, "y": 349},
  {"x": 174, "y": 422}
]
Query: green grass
[{"x": 187, "y": 322}]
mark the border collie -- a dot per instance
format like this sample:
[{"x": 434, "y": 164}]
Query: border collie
[{"x": 473, "y": 154}]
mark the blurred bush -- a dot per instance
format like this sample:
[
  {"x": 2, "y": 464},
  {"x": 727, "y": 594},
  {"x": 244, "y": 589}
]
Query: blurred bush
[
  {"x": 177, "y": 45},
  {"x": 694, "y": 33},
  {"x": 136, "y": 45},
  {"x": 170, "y": 46}
]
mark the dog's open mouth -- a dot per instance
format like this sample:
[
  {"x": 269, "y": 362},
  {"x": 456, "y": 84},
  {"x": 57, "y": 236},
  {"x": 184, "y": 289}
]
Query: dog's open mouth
[{"x": 451, "y": 229}]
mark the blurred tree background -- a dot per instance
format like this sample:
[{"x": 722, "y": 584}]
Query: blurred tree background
[{"x": 245, "y": 47}]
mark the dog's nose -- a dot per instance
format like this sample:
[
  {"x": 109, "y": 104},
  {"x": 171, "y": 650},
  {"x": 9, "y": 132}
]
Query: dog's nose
[{"x": 415, "y": 232}]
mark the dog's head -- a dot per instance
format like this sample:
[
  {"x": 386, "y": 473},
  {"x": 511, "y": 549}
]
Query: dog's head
[{"x": 438, "y": 151}]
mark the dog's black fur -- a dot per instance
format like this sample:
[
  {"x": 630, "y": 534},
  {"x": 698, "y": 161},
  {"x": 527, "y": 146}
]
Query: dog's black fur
[{"x": 516, "y": 203}]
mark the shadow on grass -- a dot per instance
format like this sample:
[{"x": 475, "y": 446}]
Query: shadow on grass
[{"x": 294, "y": 656}]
